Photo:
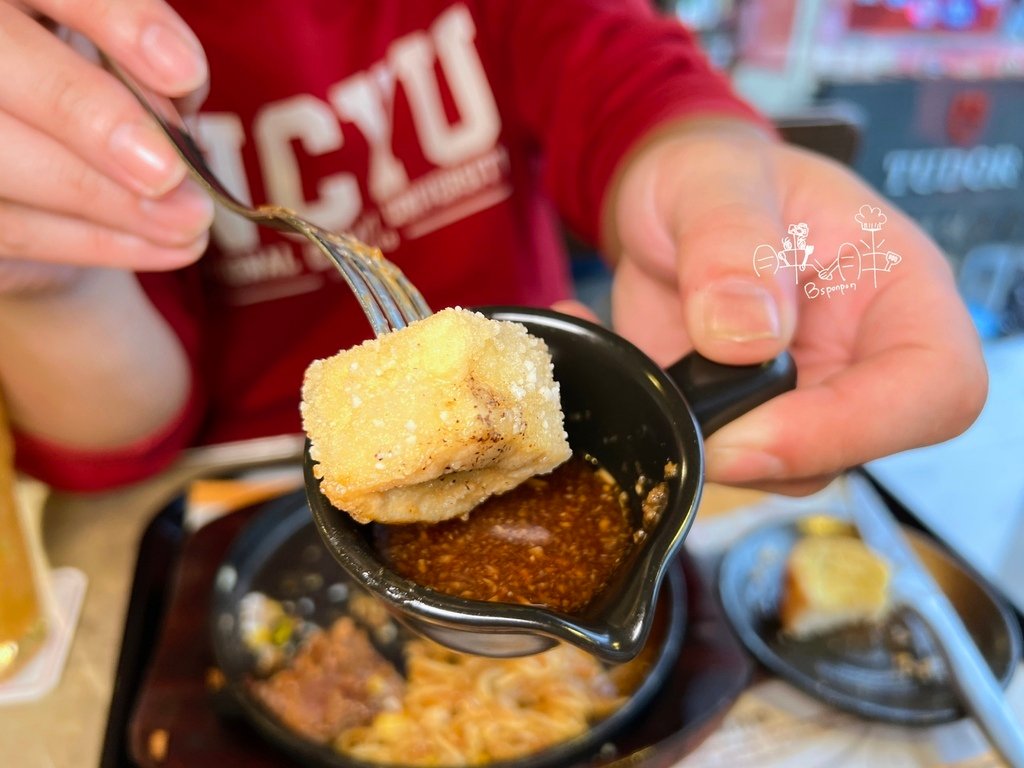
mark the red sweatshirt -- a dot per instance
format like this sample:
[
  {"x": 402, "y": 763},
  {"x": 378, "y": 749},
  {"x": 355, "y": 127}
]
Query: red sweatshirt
[{"x": 453, "y": 134}]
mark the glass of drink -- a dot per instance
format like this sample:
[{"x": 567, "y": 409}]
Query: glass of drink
[{"x": 22, "y": 621}]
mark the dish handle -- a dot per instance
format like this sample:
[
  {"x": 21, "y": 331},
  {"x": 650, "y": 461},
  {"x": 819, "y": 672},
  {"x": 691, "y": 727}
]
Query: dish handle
[{"x": 719, "y": 393}]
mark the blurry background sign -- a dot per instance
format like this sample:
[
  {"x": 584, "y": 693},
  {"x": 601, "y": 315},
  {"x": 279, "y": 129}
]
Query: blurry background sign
[{"x": 948, "y": 152}]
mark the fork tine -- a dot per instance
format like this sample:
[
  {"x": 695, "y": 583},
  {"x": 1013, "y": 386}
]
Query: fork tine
[
  {"x": 386, "y": 296},
  {"x": 363, "y": 293},
  {"x": 394, "y": 288},
  {"x": 366, "y": 293},
  {"x": 380, "y": 277},
  {"x": 381, "y": 291},
  {"x": 377, "y": 283},
  {"x": 418, "y": 305}
]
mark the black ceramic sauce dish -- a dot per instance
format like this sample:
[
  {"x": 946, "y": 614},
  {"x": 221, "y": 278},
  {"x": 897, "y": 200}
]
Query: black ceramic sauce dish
[{"x": 635, "y": 419}]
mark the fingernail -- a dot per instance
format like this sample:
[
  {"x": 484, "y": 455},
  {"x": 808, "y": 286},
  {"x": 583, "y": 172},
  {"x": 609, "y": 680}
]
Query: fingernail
[
  {"x": 182, "y": 214},
  {"x": 176, "y": 54},
  {"x": 188, "y": 204},
  {"x": 128, "y": 242},
  {"x": 739, "y": 465},
  {"x": 157, "y": 257},
  {"x": 145, "y": 153},
  {"x": 735, "y": 309}
]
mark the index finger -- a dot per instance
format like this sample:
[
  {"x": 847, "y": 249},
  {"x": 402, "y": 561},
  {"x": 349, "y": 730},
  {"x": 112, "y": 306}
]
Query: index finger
[
  {"x": 145, "y": 36},
  {"x": 53, "y": 89}
]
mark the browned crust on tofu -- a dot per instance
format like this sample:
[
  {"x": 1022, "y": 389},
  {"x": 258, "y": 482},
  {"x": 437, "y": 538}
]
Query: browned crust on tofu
[{"x": 423, "y": 424}]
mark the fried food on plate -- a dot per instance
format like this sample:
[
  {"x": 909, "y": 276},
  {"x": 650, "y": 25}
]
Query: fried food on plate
[
  {"x": 832, "y": 581},
  {"x": 424, "y": 423}
]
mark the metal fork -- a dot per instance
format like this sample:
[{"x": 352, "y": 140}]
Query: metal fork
[{"x": 386, "y": 296}]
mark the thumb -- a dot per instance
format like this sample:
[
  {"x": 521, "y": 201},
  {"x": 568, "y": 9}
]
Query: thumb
[{"x": 732, "y": 314}]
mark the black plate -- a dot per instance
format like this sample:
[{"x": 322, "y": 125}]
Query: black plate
[
  {"x": 280, "y": 554},
  {"x": 892, "y": 672}
]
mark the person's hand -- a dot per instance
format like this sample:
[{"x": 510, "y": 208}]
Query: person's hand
[
  {"x": 86, "y": 178},
  {"x": 880, "y": 369}
]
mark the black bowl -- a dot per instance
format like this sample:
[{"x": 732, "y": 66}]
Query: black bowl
[
  {"x": 280, "y": 555},
  {"x": 631, "y": 416}
]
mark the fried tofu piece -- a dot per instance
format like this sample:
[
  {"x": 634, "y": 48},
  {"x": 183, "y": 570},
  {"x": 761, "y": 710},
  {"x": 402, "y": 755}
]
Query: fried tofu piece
[
  {"x": 423, "y": 424},
  {"x": 832, "y": 581}
]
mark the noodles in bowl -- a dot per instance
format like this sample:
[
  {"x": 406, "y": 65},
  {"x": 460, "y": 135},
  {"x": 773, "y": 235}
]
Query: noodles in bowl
[
  {"x": 448, "y": 709},
  {"x": 472, "y": 710}
]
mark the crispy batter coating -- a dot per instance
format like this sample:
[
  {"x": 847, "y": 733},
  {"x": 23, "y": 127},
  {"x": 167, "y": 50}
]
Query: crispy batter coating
[
  {"x": 423, "y": 424},
  {"x": 832, "y": 581}
]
